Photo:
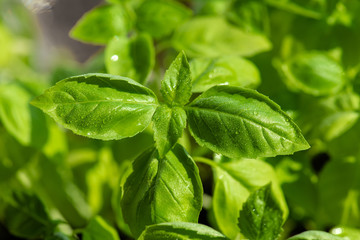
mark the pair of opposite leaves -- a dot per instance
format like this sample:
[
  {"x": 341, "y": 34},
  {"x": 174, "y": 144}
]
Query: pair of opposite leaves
[{"x": 233, "y": 121}]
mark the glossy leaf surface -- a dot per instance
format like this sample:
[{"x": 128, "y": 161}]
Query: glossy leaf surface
[
  {"x": 98, "y": 229},
  {"x": 318, "y": 235},
  {"x": 162, "y": 190},
  {"x": 176, "y": 85},
  {"x": 168, "y": 125},
  {"x": 227, "y": 70},
  {"x": 160, "y": 17},
  {"x": 261, "y": 216},
  {"x": 239, "y": 122},
  {"x": 214, "y": 37},
  {"x": 313, "y": 73},
  {"x": 101, "y": 24},
  {"x": 133, "y": 58},
  {"x": 99, "y": 105},
  {"x": 234, "y": 182},
  {"x": 180, "y": 231}
]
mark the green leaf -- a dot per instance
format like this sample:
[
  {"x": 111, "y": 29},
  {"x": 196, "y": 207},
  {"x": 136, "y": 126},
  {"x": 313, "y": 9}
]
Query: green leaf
[
  {"x": 23, "y": 121},
  {"x": 313, "y": 73},
  {"x": 239, "y": 122},
  {"x": 59, "y": 236},
  {"x": 98, "y": 229},
  {"x": 226, "y": 70},
  {"x": 214, "y": 37},
  {"x": 330, "y": 117},
  {"x": 338, "y": 187},
  {"x": 180, "y": 231},
  {"x": 13, "y": 156},
  {"x": 99, "y": 106},
  {"x": 249, "y": 15},
  {"x": 101, "y": 24},
  {"x": 176, "y": 85},
  {"x": 160, "y": 17},
  {"x": 25, "y": 217},
  {"x": 234, "y": 182},
  {"x": 151, "y": 192},
  {"x": 309, "y": 8},
  {"x": 169, "y": 124},
  {"x": 296, "y": 176},
  {"x": 315, "y": 235},
  {"x": 133, "y": 58},
  {"x": 55, "y": 182},
  {"x": 261, "y": 216},
  {"x": 124, "y": 172}
]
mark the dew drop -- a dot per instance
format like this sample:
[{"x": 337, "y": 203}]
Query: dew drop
[
  {"x": 224, "y": 83},
  {"x": 114, "y": 58}
]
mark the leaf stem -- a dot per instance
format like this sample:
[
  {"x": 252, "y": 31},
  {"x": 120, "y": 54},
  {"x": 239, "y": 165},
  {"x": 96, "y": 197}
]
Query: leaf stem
[{"x": 206, "y": 161}]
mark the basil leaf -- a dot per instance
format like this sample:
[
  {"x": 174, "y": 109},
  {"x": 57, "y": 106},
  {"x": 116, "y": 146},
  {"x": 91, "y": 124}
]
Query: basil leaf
[
  {"x": 227, "y": 70},
  {"x": 59, "y": 236},
  {"x": 62, "y": 193},
  {"x": 13, "y": 156},
  {"x": 99, "y": 106},
  {"x": 239, "y": 122},
  {"x": 25, "y": 216},
  {"x": 342, "y": 146},
  {"x": 169, "y": 124},
  {"x": 150, "y": 194},
  {"x": 338, "y": 186},
  {"x": 124, "y": 172},
  {"x": 308, "y": 8},
  {"x": 98, "y": 229},
  {"x": 176, "y": 85},
  {"x": 180, "y": 231},
  {"x": 250, "y": 15},
  {"x": 297, "y": 182},
  {"x": 330, "y": 117},
  {"x": 160, "y": 17},
  {"x": 234, "y": 182},
  {"x": 20, "y": 119},
  {"x": 318, "y": 235},
  {"x": 101, "y": 24},
  {"x": 133, "y": 58},
  {"x": 214, "y": 37},
  {"x": 261, "y": 216},
  {"x": 313, "y": 73}
]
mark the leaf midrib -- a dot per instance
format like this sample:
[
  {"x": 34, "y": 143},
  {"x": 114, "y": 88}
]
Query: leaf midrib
[{"x": 237, "y": 116}]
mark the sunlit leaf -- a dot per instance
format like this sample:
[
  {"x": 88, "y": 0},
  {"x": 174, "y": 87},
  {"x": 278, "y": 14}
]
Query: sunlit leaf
[
  {"x": 133, "y": 58},
  {"x": 98, "y": 229},
  {"x": 227, "y": 70},
  {"x": 180, "y": 231},
  {"x": 151, "y": 192},
  {"x": 101, "y": 24},
  {"x": 99, "y": 105},
  {"x": 168, "y": 124},
  {"x": 238, "y": 122},
  {"x": 261, "y": 216},
  {"x": 234, "y": 182},
  {"x": 214, "y": 37},
  {"x": 176, "y": 85},
  {"x": 160, "y": 17}
]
